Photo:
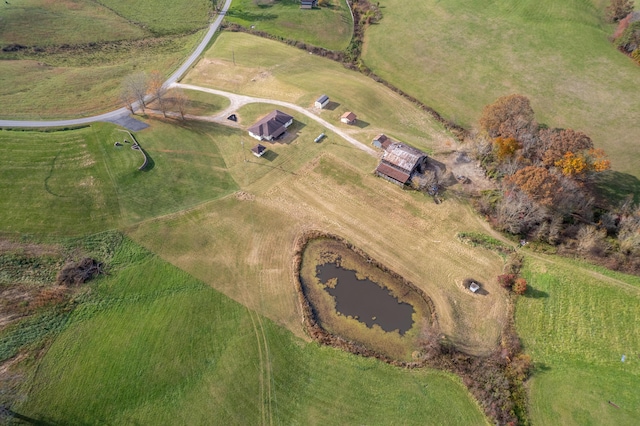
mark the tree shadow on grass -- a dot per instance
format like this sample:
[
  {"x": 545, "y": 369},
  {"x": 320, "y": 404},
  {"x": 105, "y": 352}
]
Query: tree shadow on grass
[
  {"x": 616, "y": 186},
  {"x": 535, "y": 294}
]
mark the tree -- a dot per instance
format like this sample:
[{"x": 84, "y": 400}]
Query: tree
[
  {"x": 518, "y": 214},
  {"x": 127, "y": 97},
  {"x": 509, "y": 117},
  {"x": 538, "y": 183},
  {"x": 519, "y": 286},
  {"x": 619, "y": 9},
  {"x": 136, "y": 85},
  {"x": 180, "y": 101},
  {"x": 505, "y": 147},
  {"x": 158, "y": 90},
  {"x": 555, "y": 143}
]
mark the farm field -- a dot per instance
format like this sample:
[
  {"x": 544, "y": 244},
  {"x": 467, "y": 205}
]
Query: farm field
[
  {"x": 150, "y": 344},
  {"x": 577, "y": 322},
  {"x": 460, "y": 55},
  {"x": 74, "y": 55},
  {"x": 77, "y": 182},
  {"x": 329, "y": 26},
  {"x": 292, "y": 75}
]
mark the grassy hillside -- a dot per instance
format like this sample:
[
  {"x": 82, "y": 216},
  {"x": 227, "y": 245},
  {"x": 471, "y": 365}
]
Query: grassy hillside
[
  {"x": 459, "y": 55},
  {"x": 269, "y": 69},
  {"x": 151, "y": 345},
  {"x": 77, "y": 182},
  {"x": 74, "y": 54},
  {"x": 329, "y": 26},
  {"x": 576, "y": 323}
]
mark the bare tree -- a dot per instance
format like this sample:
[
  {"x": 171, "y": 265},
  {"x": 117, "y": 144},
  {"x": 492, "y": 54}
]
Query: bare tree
[
  {"x": 158, "y": 90},
  {"x": 518, "y": 214},
  {"x": 180, "y": 101},
  {"x": 127, "y": 98},
  {"x": 619, "y": 9},
  {"x": 137, "y": 86}
]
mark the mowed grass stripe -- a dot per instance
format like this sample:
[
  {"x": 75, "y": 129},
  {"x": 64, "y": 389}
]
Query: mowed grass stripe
[{"x": 577, "y": 328}]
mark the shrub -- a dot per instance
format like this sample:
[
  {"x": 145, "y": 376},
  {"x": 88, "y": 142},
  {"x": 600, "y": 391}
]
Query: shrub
[
  {"x": 519, "y": 286},
  {"x": 506, "y": 280}
]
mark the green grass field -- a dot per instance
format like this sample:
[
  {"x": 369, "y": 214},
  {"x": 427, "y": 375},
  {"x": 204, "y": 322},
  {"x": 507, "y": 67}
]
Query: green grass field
[
  {"x": 151, "y": 345},
  {"x": 77, "y": 182},
  {"x": 85, "y": 50},
  {"x": 577, "y": 322},
  {"x": 329, "y": 26},
  {"x": 459, "y": 55}
]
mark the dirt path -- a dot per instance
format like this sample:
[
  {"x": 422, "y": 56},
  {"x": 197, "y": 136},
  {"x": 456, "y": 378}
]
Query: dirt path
[{"x": 238, "y": 101}]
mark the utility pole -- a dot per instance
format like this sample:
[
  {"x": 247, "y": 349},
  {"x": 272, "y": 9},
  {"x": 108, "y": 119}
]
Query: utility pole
[
  {"x": 244, "y": 155},
  {"x": 233, "y": 55}
]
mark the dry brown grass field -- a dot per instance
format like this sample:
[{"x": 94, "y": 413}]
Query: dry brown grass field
[{"x": 243, "y": 244}]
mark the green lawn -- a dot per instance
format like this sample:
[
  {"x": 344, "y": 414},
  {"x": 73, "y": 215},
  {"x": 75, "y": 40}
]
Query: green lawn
[
  {"x": 577, "y": 322},
  {"x": 151, "y": 345},
  {"x": 329, "y": 26},
  {"x": 77, "y": 182},
  {"x": 459, "y": 55}
]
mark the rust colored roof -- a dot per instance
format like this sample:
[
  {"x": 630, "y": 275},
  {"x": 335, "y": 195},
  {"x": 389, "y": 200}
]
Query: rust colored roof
[
  {"x": 349, "y": 116},
  {"x": 392, "y": 172},
  {"x": 402, "y": 156}
]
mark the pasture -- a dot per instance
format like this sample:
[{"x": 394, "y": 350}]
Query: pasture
[
  {"x": 329, "y": 26},
  {"x": 459, "y": 55},
  {"x": 76, "y": 182},
  {"x": 76, "y": 54},
  {"x": 150, "y": 344},
  {"x": 576, "y": 321},
  {"x": 268, "y": 69}
]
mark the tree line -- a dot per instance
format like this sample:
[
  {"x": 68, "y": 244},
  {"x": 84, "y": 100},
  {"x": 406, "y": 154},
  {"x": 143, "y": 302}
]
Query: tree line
[{"x": 546, "y": 187}]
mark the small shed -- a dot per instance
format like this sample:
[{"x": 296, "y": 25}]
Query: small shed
[
  {"x": 348, "y": 117},
  {"x": 308, "y": 4},
  {"x": 474, "y": 287},
  {"x": 322, "y": 101},
  {"x": 259, "y": 150},
  {"x": 381, "y": 141}
]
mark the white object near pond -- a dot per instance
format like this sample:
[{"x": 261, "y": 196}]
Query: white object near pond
[
  {"x": 474, "y": 286},
  {"x": 624, "y": 357}
]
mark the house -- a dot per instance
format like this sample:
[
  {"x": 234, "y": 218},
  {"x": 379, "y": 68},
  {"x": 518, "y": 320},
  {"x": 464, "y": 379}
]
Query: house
[
  {"x": 271, "y": 126},
  {"x": 259, "y": 150},
  {"x": 322, "y": 101},
  {"x": 381, "y": 141},
  {"x": 308, "y": 4},
  {"x": 399, "y": 162},
  {"x": 348, "y": 117}
]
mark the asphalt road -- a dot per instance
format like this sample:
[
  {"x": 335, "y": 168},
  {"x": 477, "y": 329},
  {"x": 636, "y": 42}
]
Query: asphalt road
[{"x": 124, "y": 112}]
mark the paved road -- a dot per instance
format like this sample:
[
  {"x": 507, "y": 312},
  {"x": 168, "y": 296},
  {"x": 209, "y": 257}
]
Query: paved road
[
  {"x": 121, "y": 113},
  {"x": 239, "y": 100}
]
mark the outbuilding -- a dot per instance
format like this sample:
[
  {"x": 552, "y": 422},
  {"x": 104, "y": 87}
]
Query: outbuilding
[
  {"x": 308, "y": 4},
  {"x": 259, "y": 150},
  {"x": 348, "y": 118},
  {"x": 322, "y": 102},
  {"x": 381, "y": 141},
  {"x": 399, "y": 162}
]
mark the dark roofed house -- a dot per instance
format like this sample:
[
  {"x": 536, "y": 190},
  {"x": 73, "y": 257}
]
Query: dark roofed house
[
  {"x": 271, "y": 126},
  {"x": 322, "y": 101},
  {"x": 308, "y": 4},
  {"x": 259, "y": 150},
  {"x": 348, "y": 117},
  {"x": 399, "y": 162},
  {"x": 381, "y": 141}
]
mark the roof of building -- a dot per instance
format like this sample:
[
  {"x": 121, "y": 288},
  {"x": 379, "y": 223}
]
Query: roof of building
[
  {"x": 381, "y": 138},
  {"x": 349, "y": 116},
  {"x": 273, "y": 124},
  {"x": 392, "y": 172},
  {"x": 259, "y": 149},
  {"x": 402, "y": 156},
  {"x": 322, "y": 99}
]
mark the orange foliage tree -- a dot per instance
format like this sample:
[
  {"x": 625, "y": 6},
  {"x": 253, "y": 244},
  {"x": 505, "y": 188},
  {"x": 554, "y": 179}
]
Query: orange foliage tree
[
  {"x": 505, "y": 147},
  {"x": 538, "y": 183},
  {"x": 580, "y": 164},
  {"x": 509, "y": 117}
]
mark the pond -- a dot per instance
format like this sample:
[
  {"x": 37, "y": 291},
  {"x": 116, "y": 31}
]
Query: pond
[{"x": 365, "y": 300}]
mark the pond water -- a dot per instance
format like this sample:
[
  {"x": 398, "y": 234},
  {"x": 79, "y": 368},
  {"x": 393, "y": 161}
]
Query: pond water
[{"x": 365, "y": 300}]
